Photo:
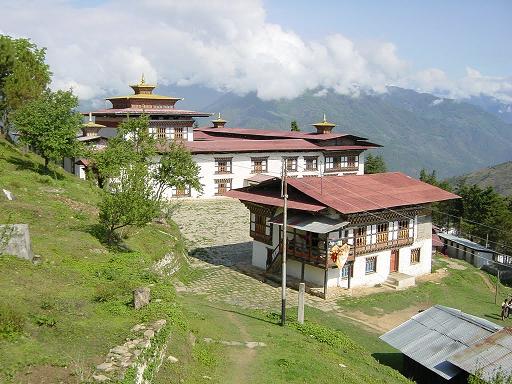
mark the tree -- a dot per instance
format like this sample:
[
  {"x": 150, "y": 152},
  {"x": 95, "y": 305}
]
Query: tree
[
  {"x": 374, "y": 164},
  {"x": 294, "y": 127},
  {"x": 24, "y": 75},
  {"x": 49, "y": 125},
  {"x": 135, "y": 171}
]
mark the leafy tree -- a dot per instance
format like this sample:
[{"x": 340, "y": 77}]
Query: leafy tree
[
  {"x": 134, "y": 171},
  {"x": 374, "y": 164},
  {"x": 49, "y": 125},
  {"x": 294, "y": 127},
  {"x": 24, "y": 75}
]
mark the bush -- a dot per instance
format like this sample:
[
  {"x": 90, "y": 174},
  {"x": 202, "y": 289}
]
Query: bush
[{"x": 11, "y": 322}]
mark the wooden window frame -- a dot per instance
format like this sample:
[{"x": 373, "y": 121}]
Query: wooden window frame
[
  {"x": 227, "y": 168},
  {"x": 292, "y": 164},
  {"x": 264, "y": 164},
  {"x": 310, "y": 160},
  {"x": 181, "y": 192},
  {"x": 372, "y": 260},
  {"x": 382, "y": 233},
  {"x": 261, "y": 224},
  {"x": 415, "y": 256},
  {"x": 222, "y": 186},
  {"x": 360, "y": 236}
]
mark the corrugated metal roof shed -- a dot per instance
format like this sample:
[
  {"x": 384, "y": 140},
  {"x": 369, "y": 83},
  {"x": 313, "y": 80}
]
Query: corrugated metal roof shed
[
  {"x": 433, "y": 336},
  {"x": 465, "y": 242},
  {"x": 491, "y": 355}
]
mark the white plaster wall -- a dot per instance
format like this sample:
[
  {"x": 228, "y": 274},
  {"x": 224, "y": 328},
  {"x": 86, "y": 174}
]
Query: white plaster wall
[
  {"x": 425, "y": 264},
  {"x": 259, "y": 255},
  {"x": 241, "y": 167}
]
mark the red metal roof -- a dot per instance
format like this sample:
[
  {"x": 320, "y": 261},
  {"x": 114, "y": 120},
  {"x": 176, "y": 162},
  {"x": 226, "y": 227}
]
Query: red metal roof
[
  {"x": 153, "y": 111},
  {"x": 275, "y": 133},
  {"x": 360, "y": 193},
  {"x": 245, "y": 145},
  {"x": 274, "y": 199}
]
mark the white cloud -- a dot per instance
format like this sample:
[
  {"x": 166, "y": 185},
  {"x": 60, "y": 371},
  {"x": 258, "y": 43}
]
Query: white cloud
[{"x": 223, "y": 45}]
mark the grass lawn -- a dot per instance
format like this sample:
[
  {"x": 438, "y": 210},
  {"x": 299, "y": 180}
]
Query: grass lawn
[
  {"x": 466, "y": 288},
  {"x": 311, "y": 353},
  {"x": 59, "y": 318}
]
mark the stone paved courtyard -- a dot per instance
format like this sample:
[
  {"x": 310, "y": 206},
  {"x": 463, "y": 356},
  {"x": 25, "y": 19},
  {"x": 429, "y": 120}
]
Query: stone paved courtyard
[{"x": 217, "y": 231}]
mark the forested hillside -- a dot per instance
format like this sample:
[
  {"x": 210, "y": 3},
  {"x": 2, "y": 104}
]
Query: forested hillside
[{"x": 417, "y": 130}]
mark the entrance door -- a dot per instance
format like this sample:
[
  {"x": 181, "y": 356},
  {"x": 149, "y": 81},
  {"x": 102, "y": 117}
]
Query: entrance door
[{"x": 394, "y": 261}]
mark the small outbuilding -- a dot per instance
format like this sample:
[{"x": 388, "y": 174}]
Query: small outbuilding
[
  {"x": 464, "y": 249},
  {"x": 432, "y": 338}
]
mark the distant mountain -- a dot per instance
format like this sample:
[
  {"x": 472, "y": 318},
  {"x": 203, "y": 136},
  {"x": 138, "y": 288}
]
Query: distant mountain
[
  {"x": 418, "y": 130},
  {"x": 494, "y": 106},
  {"x": 499, "y": 177}
]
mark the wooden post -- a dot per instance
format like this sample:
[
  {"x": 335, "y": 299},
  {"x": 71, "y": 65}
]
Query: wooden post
[
  {"x": 302, "y": 273},
  {"x": 302, "y": 289},
  {"x": 285, "y": 246},
  {"x": 497, "y": 283}
]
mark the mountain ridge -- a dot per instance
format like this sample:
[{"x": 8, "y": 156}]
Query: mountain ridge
[{"x": 417, "y": 130}]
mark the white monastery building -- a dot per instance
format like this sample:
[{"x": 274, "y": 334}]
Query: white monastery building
[
  {"x": 231, "y": 157},
  {"x": 383, "y": 219}
]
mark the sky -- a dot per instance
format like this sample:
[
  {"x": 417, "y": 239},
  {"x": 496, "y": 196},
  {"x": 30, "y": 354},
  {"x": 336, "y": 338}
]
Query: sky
[{"x": 276, "y": 48}]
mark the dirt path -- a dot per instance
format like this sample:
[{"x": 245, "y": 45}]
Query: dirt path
[
  {"x": 241, "y": 357},
  {"x": 487, "y": 282}
]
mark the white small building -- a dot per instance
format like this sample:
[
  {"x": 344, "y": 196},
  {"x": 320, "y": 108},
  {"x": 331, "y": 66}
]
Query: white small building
[
  {"x": 461, "y": 248},
  {"x": 384, "y": 218}
]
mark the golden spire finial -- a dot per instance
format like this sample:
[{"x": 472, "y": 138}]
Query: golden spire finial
[
  {"x": 218, "y": 116},
  {"x": 90, "y": 117},
  {"x": 325, "y": 120},
  {"x": 142, "y": 78}
]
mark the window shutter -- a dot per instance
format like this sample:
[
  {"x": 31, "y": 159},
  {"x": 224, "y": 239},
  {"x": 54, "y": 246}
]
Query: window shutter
[
  {"x": 253, "y": 222},
  {"x": 351, "y": 236},
  {"x": 411, "y": 227},
  {"x": 369, "y": 234}
]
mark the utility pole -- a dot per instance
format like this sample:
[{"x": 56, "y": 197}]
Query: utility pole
[
  {"x": 487, "y": 241},
  {"x": 497, "y": 283},
  {"x": 284, "y": 193}
]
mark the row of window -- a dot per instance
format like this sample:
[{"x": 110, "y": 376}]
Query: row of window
[
  {"x": 371, "y": 264},
  {"x": 260, "y": 164},
  {"x": 169, "y": 133},
  {"x": 380, "y": 233}
]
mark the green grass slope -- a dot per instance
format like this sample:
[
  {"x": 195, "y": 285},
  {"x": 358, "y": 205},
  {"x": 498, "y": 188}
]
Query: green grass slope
[
  {"x": 59, "y": 318},
  {"x": 499, "y": 177}
]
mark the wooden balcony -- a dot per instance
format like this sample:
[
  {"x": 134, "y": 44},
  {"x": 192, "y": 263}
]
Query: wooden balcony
[{"x": 369, "y": 248}]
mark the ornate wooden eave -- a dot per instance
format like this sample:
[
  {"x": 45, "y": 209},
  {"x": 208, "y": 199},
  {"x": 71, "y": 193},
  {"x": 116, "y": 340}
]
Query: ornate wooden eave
[{"x": 375, "y": 217}]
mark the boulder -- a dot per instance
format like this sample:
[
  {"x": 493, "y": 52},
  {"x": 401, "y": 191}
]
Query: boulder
[
  {"x": 8, "y": 195},
  {"x": 15, "y": 241},
  {"x": 141, "y": 297}
]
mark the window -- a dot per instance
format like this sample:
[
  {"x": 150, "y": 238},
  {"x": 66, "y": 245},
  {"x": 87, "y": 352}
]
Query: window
[
  {"x": 382, "y": 233},
  {"x": 403, "y": 229},
  {"x": 223, "y": 165},
  {"x": 360, "y": 236},
  {"x": 178, "y": 133},
  {"x": 291, "y": 164},
  {"x": 160, "y": 132},
  {"x": 336, "y": 163},
  {"x": 371, "y": 264},
  {"x": 351, "y": 161},
  {"x": 260, "y": 228},
  {"x": 181, "y": 192},
  {"x": 415, "y": 256},
  {"x": 222, "y": 186},
  {"x": 259, "y": 164},
  {"x": 311, "y": 163},
  {"x": 346, "y": 270}
]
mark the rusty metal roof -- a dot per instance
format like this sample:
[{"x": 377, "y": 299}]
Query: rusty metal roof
[
  {"x": 489, "y": 356},
  {"x": 360, "y": 193},
  {"x": 274, "y": 199},
  {"x": 433, "y": 336}
]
